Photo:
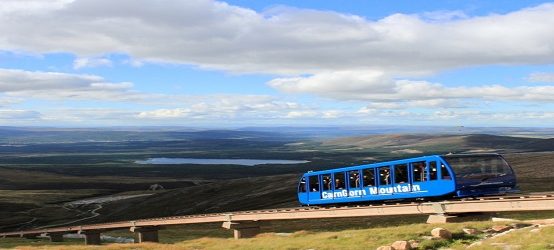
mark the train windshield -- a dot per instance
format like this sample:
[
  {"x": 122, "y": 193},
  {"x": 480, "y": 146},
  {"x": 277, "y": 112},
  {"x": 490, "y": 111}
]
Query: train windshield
[{"x": 481, "y": 167}]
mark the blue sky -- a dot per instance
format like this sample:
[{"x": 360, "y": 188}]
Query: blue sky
[{"x": 207, "y": 63}]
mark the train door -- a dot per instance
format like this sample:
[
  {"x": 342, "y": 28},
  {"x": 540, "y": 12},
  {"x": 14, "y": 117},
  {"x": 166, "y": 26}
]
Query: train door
[
  {"x": 354, "y": 183},
  {"x": 385, "y": 180},
  {"x": 302, "y": 191},
  {"x": 369, "y": 181},
  {"x": 313, "y": 188},
  {"x": 420, "y": 176},
  {"x": 433, "y": 170}
]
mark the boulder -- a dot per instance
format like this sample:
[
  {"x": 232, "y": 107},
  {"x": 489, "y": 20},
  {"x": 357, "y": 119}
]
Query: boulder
[
  {"x": 470, "y": 231},
  {"x": 501, "y": 228},
  {"x": 414, "y": 244},
  {"x": 441, "y": 233},
  {"x": 401, "y": 245},
  {"x": 385, "y": 248},
  {"x": 488, "y": 231}
]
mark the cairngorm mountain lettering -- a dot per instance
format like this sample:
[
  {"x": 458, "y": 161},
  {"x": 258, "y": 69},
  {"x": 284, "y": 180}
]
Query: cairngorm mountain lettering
[{"x": 401, "y": 188}]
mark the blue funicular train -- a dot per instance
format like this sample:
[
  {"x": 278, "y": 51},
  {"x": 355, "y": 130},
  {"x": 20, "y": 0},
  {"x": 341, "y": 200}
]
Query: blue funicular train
[{"x": 435, "y": 176}]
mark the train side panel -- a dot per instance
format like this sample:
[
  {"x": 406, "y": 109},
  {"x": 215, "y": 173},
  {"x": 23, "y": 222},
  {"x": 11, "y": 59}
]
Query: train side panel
[{"x": 405, "y": 179}]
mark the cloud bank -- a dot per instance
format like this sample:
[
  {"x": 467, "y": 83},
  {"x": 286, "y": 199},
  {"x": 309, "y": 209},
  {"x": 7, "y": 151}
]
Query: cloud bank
[
  {"x": 292, "y": 41},
  {"x": 333, "y": 55},
  {"x": 375, "y": 86}
]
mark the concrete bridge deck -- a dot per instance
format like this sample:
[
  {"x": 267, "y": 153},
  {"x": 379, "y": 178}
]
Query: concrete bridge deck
[{"x": 246, "y": 223}]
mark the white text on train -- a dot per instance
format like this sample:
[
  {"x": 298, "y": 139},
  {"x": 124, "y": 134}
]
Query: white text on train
[
  {"x": 343, "y": 193},
  {"x": 372, "y": 191},
  {"x": 396, "y": 189}
]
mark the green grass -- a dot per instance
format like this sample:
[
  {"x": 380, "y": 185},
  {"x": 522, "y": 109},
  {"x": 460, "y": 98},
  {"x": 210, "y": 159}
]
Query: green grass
[
  {"x": 369, "y": 238},
  {"x": 346, "y": 233},
  {"x": 544, "y": 239},
  {"x": 8, "y": 243}
]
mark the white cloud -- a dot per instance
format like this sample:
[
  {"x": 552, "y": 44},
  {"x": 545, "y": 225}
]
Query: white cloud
[
  {"x": 335, "y": 83},
  {"x": 91, "y": 62},
  {"x": 8, "y": 101},
  {"x": 225, "y": 106},
  {"x": 61, "y": 86},
  {"x": 17, "y": 115},
  {"x": 301, "y": 114},
  {"x": 332, "y": 114},
  {"x": 485, "y": 117},
  {"x": 165, "y": 113},
  {"x": 329, "y": 54},
  {"x": 88, "y": 116},
  {"x": 541, "y": 77},
  {"x": 31, "y": 6},
  {"x": 383, "y": 90},
  {"x": 402, "y": 104},
  {"x": 217, "y": 35}
]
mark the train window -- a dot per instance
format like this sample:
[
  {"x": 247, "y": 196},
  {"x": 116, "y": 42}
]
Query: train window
[
  {"x": 480, "y": 167},
  {"x": 384, "y": 176},
  {"x": 369, "y": 177},
  {"x": 401, "y": 173},
  {"x": 418, "y": 171},
  {"x": 302, "y": 185},
  {"x": 314, "y": 183},
  {"x": 339, "y": 181},
  {"x": 354, "y": 179},
  {"x": 433, "y": 170},
  {"x": 444, "y": 173},
  {"x": 326, "y": 182}
]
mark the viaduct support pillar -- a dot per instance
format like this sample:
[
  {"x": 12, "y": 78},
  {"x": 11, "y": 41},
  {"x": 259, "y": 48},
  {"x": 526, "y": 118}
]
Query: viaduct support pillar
[
  {"x": 92, "y": 237},
  {"x": 441, "y": 216},
  {"x": 55, "y": 237},
  {"x": 247, "y": 229},
  {"x": 145, "y": 234}
]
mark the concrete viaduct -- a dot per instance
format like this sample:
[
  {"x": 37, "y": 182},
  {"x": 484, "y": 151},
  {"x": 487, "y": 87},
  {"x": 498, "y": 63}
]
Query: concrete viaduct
[{"x": 247, "y": 223}]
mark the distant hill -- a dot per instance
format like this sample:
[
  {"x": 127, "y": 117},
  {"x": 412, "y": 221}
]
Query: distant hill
[
  {"x": 506, "y": 142},
  {"x": 425, "y": 143},
  {"x": 34, "y": 135},
  {"x": 15, "y": 136}
]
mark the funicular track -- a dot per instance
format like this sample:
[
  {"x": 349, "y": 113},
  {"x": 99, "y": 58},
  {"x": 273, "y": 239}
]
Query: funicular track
[{"x": 249, "y": 219}]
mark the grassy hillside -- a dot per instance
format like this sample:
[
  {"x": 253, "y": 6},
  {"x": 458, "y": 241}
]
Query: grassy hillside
[
  {"x": 280, "y": 191},
  {"x": 38, "y": 178},
  {"x": 220, "y": 196}
]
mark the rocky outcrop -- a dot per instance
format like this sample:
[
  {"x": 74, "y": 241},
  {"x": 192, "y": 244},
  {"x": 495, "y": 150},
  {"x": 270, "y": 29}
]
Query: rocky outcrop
[
  {"x": 471, "y": 231},
  {"x": 441, "y": 233},
  {"x": 401, "y": 245}
]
